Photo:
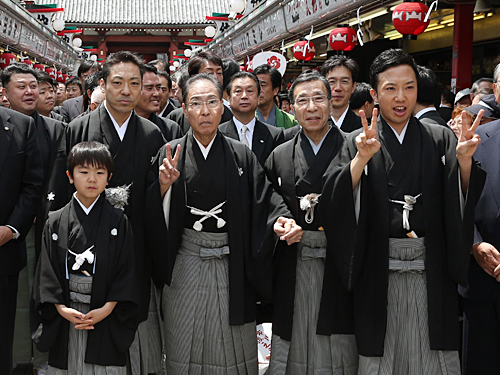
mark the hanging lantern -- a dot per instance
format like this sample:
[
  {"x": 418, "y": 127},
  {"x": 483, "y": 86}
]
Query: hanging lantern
[
  {"x": 6, "y": 59},
  {"x": 39, "y": 67},
  {"x": 237, "y": 6},
  {"x": 343, "y": 38},
  {"x": 210, "y": 31},
  {"x": 188, "y": 52},
  {"x": 27, "y": 61},
  {"x": 410, "y": 19},
  {"x": 65, "y": 78},
  {"x": 303, "y": 50},
  {"x": 59, "y": 76},
  {"x": 77, "y": 42},
  {"x": 51, "y": 72}
]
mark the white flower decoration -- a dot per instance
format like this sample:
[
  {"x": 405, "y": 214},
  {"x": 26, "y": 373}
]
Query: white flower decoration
[
  {"x": 55, "y": 237},
  {"x": 51, "y": 196},
  {"x": 114, "y": 232}
]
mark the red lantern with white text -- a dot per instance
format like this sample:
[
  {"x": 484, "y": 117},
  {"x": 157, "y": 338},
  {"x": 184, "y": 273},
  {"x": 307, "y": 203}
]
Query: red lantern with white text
[
  {"x": 343, "y": 39},
  {"x": 304, "y": 51},
  {"x": 39, "y": 67},
  {"x": 59, "y": 77},
  {"x": 6, "y": 59},
  {"x": 409, "y": 19},
  {"x": 65, "y": 78},
  {"x": 51, "y": 72},
  {"x": 27, "y": 61}
]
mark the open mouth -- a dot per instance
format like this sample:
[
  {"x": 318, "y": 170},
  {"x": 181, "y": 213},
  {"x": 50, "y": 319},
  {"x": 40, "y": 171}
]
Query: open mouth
[{"x": 399, "y": 111}]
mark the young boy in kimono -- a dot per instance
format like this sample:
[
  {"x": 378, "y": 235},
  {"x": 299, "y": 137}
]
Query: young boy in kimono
[{"x": 85, "y": 297}]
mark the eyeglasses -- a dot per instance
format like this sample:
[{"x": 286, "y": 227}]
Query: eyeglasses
[
  {"x": 196, "y": 105},
  {"x": 317, "y": 99}
]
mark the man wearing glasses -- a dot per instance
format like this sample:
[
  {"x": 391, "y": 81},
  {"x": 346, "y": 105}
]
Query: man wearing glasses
[
  {"x": 243, "y": 90},
  {"x": 296, "y": 169}
]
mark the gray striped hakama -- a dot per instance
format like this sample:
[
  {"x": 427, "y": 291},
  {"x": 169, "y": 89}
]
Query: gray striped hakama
[
  {"x": 406, "y": 345},
  {"x": 198, "y": 337},
  {"x": 307, "y": 352},
  {"x": 80, "y": 289}
]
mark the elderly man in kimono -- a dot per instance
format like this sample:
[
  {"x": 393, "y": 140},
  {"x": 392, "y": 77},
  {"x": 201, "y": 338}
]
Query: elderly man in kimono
[
  {"x": 210, "y": 211},
  {"x": 407, "y": 192}
]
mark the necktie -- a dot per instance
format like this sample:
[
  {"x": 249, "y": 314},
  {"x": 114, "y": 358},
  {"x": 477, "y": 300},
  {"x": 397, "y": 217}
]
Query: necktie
[{"x": 243, "y": 138}]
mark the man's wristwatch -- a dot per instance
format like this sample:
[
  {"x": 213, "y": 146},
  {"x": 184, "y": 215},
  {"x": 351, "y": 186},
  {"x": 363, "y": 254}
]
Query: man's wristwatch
[{"x": 15, "y": 235}]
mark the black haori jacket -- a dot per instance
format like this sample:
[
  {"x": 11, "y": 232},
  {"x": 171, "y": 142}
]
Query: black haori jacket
[
  {"x": 252, "y": 208},
  {"x": 362, "y": 249}
]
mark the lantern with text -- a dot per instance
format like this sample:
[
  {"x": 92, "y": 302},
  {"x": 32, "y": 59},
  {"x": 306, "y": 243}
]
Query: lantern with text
[
  {"x": 59, "y": 76},
  {"x": 343, "y": 39},
  {"x": 410, "y": 19},
  {"x": 51, "y": 72},
  {"x": 304, "y": 50},
  {"x": 27, "y": 61},
  {"x": 39, "y": 67},
  {"x": 65, "y": 77},
  {"x": 6, "y": 59}
]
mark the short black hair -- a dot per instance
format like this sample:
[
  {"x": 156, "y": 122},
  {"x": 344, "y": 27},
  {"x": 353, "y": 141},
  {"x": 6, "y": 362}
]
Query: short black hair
[
  {"x": 75, "y": 81},
  {"x": 475, "y": 85},
  {"x": 361, "y": 95},
  {"x": 150, "y": 68},
  {"x": 229, "y": 68},
  {"x": 16, "y": 68},
  {"x": 270, "y": 71},
  {"x": 448, "y": 96},
  {"x": 200, "y": 77},
  {"x": 284, "y": 97},
  {"x": 242, "y": 75},
  {"x": 121, "y": 57},
  {"x": 390, "y": 58},
  {"x": 197, "y": 61},
  {"x": 90, "y": 153},
  {"x": 43, "y": 77},
  {"x": 165, "y": 75},
  {"x": 92, "y": 81},
  {"x": 308, "y": 76},
  {"x": 429, "y": 91},
  {"x": 337, "y": 61},
  {"x": 86, "y": 65},
  {"x": 181, "y": 82}
]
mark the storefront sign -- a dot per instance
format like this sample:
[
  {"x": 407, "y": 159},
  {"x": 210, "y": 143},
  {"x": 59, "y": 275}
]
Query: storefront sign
[
  {"x": 32, "y": 42},
  {"x": 10, "y": 28}
]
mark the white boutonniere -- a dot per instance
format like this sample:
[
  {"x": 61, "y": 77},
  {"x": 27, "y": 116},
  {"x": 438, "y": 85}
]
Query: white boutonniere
[
  {"x": 55, "y": 237},
  {"x": 114, "y": 232}
]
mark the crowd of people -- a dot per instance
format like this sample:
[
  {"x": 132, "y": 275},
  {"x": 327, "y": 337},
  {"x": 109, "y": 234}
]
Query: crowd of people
[{"x": 150, "y": 221}]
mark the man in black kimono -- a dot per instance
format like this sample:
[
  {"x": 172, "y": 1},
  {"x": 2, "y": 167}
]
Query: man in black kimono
[
  {"x": 243, "y": 94},
  {"x": 209, "y": 212},
  {"x": 429, "y": 96},
  {"x": 341, "y": 72},
  {"x": 204, "y": 62},
  {"x": 403, "y": 238},
  {"x": 149, "y": 104},
  {"x": 296, "y": 171},
  {"x": 133, "y": 142},
  {"x": 20, "y": 183}
]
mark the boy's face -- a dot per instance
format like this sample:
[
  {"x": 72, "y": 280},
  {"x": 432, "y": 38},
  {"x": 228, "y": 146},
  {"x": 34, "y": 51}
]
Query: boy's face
[{"x": 90, "y": 181}]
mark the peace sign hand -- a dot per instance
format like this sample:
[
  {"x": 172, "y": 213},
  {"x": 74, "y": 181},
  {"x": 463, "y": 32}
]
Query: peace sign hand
[
  {"x": 367, "y": 142},
  {"x": 468, "y": 139},
  {"x": 168, "y": 170}
]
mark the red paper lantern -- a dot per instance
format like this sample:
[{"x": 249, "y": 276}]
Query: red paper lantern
[
  {"x": 39, "y": 67},
  {"x": 51, "y": 72},
  {"x": 59, "y": 77},
  {"x": 6, "y": 59},
  {"x": 304, "y": 51},
  {"x": 27, "y": 61},
  {"x": 343, "y": 39},
  {"x": 65, "y": 77},
  {"x": 408, "y": 19}
]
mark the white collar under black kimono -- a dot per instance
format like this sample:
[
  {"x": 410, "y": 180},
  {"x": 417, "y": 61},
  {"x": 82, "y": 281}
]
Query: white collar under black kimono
[
  {"x": 121, "y": 130},
  {"x": 205, "y": 150},
  {"x": 85, "y": 209},
  {"x": 400, "y": 137},
  {"x": 341, "y": 118},
  {"x": 317, "y": 147}
]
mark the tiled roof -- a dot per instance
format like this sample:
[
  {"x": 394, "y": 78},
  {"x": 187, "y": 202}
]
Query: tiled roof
[{"x": 139, "y": 12}]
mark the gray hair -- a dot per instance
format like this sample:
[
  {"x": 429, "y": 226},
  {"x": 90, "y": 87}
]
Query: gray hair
[
  {"x": 97, "y": 96},
  {"x": 496, "y": 73}
]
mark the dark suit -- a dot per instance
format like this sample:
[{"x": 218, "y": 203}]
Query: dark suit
[
  {"x": 20, "y": 182},
  {"x": 265, "y": 138},
  {"x": 445, "y": 113},
  {"x": 481, "y": 351},
  {"x": 170, "y": 129},
  {"x": 351, "y": 122},
  {"x": 169, "y": 108},
  {"x": 177, "y": 115},
  {"x": 432, "y": 118},
  {"x": 72, "y": 108}
]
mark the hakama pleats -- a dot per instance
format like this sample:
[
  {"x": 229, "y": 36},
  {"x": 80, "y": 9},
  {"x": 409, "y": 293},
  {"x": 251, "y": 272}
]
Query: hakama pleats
[
  {"x": 407, "y": 345},
  {"x": 80, "y": 289},
  {"x": 198, "y": 337},
  {"x": 309, "y": 353}
]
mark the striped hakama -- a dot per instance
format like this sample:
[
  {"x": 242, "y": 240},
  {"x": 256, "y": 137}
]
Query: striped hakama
[
  {"x": 80, "y": 289},
  {"x": 406, "y": 345},
  {"x": 198, "y": 337},
  {"x": 307, "y": 352}
]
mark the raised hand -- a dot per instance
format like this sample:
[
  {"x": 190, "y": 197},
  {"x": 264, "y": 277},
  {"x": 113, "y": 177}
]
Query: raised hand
[
  {"x": 367, "y": 142},
  {"x": 468, "y": 140},
  {"x": 168, "y": 170}
]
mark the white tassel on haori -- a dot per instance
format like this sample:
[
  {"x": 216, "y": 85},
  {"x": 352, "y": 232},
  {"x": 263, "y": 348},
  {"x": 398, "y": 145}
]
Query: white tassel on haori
[
  {"x": 307, "y": 203},
  {"x": 198, "y": 226},
  {"x": 407, "y": 207}
]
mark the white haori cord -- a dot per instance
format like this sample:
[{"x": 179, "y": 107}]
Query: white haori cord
[
  {"x": 198, "y": 226},
  {"x": 307, "y": 203},
  {"x": 87, "y": 255},
  {"x": 407, "y": 207}
]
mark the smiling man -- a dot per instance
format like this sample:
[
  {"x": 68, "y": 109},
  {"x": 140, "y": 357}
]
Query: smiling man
[
  {"x": 150, "y": 101},
  {"x": 211, "y": 203},
  {"x": 296, "y": 171},
  {"x": 133, "y": 142},
  {"x": 407, "y": 191}
]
